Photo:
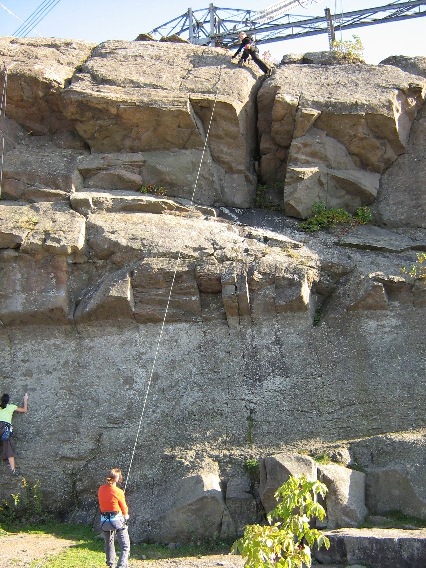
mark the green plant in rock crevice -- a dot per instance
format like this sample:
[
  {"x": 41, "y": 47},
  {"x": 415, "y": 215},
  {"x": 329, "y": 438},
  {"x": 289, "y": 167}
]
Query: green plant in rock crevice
[
  {"x": 417, "y": 270},
  {"x": 317, "y": 317},
  {"x": 154, "y": 189},
  {"x": 323, "y": 458},
  {"x": 263, "y": 199},
  {"x": 324, "y": 217},
  {"x": 252, "y": 468},
  {"x": 250, "y": 426},
  {"x": 287, "y": 541},
  {"x": 29, "y": 223}
]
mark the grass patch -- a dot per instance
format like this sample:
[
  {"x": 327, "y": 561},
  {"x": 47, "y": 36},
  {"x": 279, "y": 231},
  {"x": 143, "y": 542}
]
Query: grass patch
[
  {"x": 323, "y": 459},
  {"x": 88, "y": 548},
  {"x": 395, "y": 520}
]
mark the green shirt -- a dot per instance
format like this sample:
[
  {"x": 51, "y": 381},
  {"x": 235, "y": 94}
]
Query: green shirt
[{"x": 7, "y": 413}]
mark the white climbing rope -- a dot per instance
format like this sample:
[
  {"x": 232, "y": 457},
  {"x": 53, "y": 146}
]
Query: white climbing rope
[
  {"x": 170, "y": 294},
  {"x": 2, "y": 116}
]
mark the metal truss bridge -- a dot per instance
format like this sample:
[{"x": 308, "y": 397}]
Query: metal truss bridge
[{"x": 220, "y": 26}]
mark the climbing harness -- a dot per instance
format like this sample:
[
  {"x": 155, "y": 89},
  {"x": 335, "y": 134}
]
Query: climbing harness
[
  {"x": 170, "y": 293},
  {"x": 112, "y": 521},
  {"x": 2, "y": 117}
]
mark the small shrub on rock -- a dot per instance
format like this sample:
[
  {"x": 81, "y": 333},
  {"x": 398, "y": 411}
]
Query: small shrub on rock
[
  {"x": 287, "y": 541},
  {"x": 324, "y": 217},
  {"x": 154, "y": 189},
  {"x": 417, "y": 270},
  {"x": 349, "y": 51}
]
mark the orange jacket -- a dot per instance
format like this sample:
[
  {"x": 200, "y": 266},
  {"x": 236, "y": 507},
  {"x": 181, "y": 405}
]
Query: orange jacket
[{"x": 111, "y": 498}]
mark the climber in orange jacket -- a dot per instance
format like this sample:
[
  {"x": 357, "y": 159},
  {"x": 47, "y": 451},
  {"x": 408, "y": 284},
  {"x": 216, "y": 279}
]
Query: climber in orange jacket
[{"x": 114, "y": 517}]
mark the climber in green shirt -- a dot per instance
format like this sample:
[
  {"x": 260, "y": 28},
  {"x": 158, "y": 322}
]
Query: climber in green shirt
[{"x": 6, "y": 413}]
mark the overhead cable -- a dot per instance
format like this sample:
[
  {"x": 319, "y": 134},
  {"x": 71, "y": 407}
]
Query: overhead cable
[{"x": 35, "y": 18}]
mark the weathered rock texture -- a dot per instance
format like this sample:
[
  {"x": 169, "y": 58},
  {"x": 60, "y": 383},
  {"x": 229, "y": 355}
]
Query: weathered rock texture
[
  {"x": 327, "y": 133},
  {"x": 182, "y": 336},
  {"x": 382, "y": 548}
]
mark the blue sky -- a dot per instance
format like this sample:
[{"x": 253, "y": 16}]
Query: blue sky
[{"x": 100, "y": 20}]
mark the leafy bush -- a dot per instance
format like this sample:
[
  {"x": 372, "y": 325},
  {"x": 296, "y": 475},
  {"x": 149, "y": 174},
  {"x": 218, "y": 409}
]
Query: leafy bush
[
  {"x": 324, "y": 217},
  {"x": 25, "y": 506},
  {"x": 349, "y": 51},
  {"x": 286, "y": 542}
]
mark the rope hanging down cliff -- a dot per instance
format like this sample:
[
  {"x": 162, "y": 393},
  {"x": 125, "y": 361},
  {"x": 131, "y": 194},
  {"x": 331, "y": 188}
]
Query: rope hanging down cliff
[
  {"x": 170, "y": 291},
  {"x": 2, "y": 124}
]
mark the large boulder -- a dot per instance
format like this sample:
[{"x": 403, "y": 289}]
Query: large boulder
[
  {"x": 345, "y": 498},
  {"x": 413, "y": 65},
  {"x": 131, "y": 97},
  {"x": 402, "y": 196},
  {"x": 380, "y": 548},
  {"x": 194, "y": 122},
  {"x": 395, "y": 480},
  {"x": 191, "y": 508},
  {"x": 35, "y": 172},
  {"x": 38, "y": 71},
  {"x": 275, "y": 470},
  {"x": 321, "y": 169},
  {"x": 328, "y": 132},
  {"x": 241, "y": 504},
  {"x": 42, "y": 228},
  {"x": 46, "y": 236}
]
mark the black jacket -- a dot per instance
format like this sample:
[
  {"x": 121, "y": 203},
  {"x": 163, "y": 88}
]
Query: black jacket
[{"x": 246, "y": 42}]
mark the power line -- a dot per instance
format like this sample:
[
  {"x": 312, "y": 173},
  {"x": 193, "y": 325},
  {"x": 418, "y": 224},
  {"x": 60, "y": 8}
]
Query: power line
[
  {"x": 10, "y": 12},
  {"x": 35, "y": 18}
]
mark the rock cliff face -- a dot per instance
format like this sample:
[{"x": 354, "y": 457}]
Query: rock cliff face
[{"x": 184, "y": 333}]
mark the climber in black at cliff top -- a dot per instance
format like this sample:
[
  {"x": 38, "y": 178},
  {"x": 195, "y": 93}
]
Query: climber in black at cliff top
[{"x": 249, "y": 49}]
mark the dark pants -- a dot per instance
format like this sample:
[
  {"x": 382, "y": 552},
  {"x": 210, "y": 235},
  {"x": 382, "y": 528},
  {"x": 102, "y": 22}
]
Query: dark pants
[
  {"x": 254, "y": 53},
  {"x": 124, "y": 543},
  {"x": 112, "y": 526},
  {"x": 7, "y": 450}
]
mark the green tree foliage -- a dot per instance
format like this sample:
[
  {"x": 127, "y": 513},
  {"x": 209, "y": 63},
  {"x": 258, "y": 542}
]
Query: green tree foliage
[{"x": 287, "y": 540}]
